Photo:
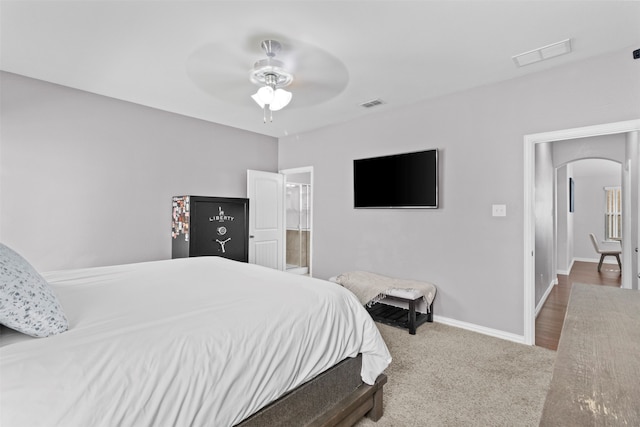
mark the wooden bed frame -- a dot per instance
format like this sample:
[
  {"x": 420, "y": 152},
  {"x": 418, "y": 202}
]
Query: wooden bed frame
[{"x": 337, "y": 397}]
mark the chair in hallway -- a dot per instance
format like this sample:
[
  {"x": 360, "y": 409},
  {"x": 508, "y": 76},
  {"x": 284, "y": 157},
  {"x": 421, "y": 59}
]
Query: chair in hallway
[{"x": 606, "y": 249}]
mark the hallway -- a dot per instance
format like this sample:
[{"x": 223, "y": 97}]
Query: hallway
[{"x": 551, "y": 317}]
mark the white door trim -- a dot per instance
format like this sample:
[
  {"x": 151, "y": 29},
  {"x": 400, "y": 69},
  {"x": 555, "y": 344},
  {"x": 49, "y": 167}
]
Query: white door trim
[
  {"x": 529, "y": 204},
  {"x": 304, "y": 169}
]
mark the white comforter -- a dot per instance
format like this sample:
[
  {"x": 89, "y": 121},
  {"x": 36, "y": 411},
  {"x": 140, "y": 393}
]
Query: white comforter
[{"x": 194, "y": 341}]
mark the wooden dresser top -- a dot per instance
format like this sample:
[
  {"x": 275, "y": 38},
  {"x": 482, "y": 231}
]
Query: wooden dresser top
[{"x": 596, "y": 376}]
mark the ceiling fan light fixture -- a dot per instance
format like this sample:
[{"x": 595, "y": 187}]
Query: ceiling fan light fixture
[
  {"x": 272, "y": 76},
  {"x": 281, "y": 99},
  {"x": 256, "y": 97},
  {"x": 266, "y": 94}
]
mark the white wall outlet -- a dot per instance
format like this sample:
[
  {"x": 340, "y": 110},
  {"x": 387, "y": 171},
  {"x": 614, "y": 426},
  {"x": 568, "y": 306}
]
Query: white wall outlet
[{"x": 499, "y": 210}]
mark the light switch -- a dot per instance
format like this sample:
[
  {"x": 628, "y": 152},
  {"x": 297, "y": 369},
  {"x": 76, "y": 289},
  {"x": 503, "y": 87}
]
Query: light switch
[{"x": 499, "y": 210}]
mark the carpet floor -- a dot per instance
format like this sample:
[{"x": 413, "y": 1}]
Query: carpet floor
[{"x": 447, "y": 376}]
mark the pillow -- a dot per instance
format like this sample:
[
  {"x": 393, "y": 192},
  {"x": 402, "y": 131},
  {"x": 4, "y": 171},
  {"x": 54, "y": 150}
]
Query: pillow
[{"x": 27, "y": 302}]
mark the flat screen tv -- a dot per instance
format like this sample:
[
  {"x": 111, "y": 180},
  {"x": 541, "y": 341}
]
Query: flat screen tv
[{"x": 408, "y": 180}]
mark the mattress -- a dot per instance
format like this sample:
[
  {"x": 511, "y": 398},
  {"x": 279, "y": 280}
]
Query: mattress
[{"x": 192, "y": 341}]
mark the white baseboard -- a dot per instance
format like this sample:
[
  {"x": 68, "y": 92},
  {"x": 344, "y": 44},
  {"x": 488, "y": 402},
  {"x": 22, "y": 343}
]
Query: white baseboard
[
  {"x": 545, "y": 296},
  {"x": 607, "y": 260},
  {"x": 480, "y": 329},
  {"x": 568, "y": 271}
]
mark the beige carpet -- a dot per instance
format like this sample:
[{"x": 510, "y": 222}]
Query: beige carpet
[{"x": 447, "y": 376}]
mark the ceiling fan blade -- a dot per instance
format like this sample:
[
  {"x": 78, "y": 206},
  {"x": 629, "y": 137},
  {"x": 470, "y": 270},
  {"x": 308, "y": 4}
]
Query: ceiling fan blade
[{"x": 222, "y": 70}]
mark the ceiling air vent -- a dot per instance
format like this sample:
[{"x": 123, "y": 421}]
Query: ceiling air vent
[
  {"x": 372, "y": 103},
  {"x": 543, "y": 53}
]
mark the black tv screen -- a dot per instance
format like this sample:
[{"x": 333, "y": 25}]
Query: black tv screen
[{"x": 408, "y": 180}]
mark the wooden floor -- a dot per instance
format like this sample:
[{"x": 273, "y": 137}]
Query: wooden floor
[{"x": 551, "y": 317}]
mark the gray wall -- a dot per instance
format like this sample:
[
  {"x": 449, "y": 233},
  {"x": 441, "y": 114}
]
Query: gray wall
[
  {"x": 475, "y": 259},
  {"x": 544, "y": 219},
  {"x": 564, "y": 221},
  {"x": 87, "y": 180},
  {"x": 610, "y": 147},
  {"x": 631, "y": 210}
]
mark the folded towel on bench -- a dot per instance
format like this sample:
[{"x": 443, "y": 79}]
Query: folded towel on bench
[{"x": 371, "y": 288}]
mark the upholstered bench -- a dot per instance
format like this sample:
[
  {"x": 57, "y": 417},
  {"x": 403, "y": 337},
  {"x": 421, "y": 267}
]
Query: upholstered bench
[{"x": 385, "y": 298}]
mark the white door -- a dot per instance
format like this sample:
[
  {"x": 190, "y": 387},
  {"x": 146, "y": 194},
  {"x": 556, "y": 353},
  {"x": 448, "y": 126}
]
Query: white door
[{"x": 265, "y": 191}]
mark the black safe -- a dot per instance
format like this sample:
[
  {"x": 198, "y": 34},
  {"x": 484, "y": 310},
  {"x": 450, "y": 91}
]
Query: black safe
[{"x": 210, "y": 226}]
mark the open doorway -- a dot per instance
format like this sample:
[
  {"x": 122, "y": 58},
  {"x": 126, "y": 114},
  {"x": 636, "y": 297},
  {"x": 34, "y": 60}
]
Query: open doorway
[
  {"x": 587, "y": 201},
  {"x": 299, "y": 217},
  {"x": 630, "y": 189},
  {"x": 597, "y": 196}
]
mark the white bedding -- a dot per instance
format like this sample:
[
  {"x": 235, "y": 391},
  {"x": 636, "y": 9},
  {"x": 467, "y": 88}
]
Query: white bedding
[{"x": 192, "y": 341}]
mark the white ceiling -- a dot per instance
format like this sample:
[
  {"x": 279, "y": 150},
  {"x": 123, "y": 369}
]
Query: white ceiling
[{"x": 193, "y": 57}]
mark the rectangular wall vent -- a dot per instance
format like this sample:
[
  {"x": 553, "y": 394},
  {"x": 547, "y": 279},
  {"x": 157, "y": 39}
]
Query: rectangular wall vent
[{"x": 372, "y": 103}]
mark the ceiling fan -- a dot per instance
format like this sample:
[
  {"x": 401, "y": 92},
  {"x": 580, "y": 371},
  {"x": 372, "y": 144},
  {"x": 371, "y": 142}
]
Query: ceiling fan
[
  {"x": 310, "y": 73},
  {"x": 271, "y": 75}
]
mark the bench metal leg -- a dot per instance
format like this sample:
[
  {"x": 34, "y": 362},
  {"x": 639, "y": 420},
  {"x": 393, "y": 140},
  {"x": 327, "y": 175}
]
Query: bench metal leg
[{"x": 412, "y": 317}]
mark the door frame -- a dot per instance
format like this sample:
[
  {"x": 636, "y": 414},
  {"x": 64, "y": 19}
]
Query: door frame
[
  {"x": 291, "y": 171},
  {"x": 529, "y": 204}
]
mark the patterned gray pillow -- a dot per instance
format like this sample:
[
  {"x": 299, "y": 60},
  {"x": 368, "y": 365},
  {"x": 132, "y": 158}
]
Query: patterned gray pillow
[{"x": 27, "y": 302}]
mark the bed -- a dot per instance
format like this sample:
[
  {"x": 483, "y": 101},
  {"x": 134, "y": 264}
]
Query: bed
[{"x": 195, "y": 341}]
